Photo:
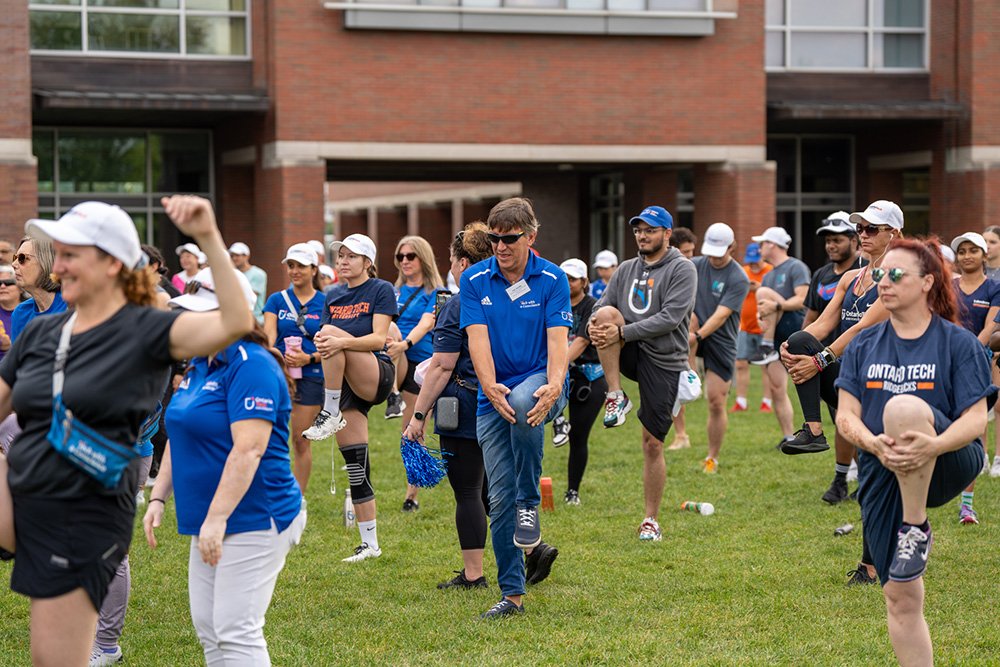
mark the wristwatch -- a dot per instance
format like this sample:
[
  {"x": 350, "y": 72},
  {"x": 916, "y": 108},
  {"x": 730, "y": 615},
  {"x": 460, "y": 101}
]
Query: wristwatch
[
  {"x": 419, "y": 416},
  {"x": 409, "y": 344},
  {"x": 828, "y": 356}
]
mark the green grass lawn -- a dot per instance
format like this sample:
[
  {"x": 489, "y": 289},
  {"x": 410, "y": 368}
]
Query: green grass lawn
[{"x": 759, "y": 583}]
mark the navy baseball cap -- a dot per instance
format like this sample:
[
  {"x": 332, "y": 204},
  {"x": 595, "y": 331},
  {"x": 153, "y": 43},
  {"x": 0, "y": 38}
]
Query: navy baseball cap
[
  {"x": 752, "y": 254},
  {"x": 654, "y": 216}
]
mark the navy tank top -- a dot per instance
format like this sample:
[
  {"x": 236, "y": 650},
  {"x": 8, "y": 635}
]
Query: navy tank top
[{"x": 854, "y": 306}]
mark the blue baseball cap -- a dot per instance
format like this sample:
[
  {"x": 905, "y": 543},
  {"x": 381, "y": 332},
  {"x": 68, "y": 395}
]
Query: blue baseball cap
[
  {"x": 752, "y": 254},
  {"x": 654, "y": 216}
]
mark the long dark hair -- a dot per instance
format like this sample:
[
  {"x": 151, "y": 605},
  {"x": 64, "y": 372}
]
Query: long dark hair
[
  {"x": 258, "y": 336},
  {"x": 941, "y": 299}
]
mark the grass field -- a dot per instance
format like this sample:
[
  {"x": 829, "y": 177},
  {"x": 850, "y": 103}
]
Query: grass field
[{"x": 759, "y": 583}]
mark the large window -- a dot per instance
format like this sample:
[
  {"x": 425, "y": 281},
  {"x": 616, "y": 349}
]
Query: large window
[
  {"x": 165, "y": 28},
  {"x": 130, "y": 168},
  {"x": 847, "y": 35},
  {"x": 607, "y": 214}
]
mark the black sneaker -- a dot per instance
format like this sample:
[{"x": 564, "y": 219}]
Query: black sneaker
[
  {"x": 462, "y": 582},
  {"x": 560, "y": 431},
  {"x": 572, "y": 497},
  {"x": 410, "y": 505},
  {"x": 764, "y": 355},
  {"x": 860, "y": 577},
  {"x": 527, "y": 532},
  {"x": 394, "y": 406},
  {"x": 853, "y": 495},
  {"x": 784, "y": 439},
  {"x": 805, "y": 442},
  {"x": 538, "y": 563},
  {"x": 503, "y": 608},
  {"x": 6, "y": 555},
  {"x": 837, "y": 493},
  {"x": 913, "y": 546}
]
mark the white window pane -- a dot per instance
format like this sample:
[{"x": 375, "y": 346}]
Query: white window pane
[
  {"x": 775, "y": 49},
  {"x": 217, "y": 35},
  {"x": 775, "y": 13},
  {"x": 536, "y": 4},
  {"x": 899, "y": 13},
  {"x": 477, "y": 3},
  {"x": 833, "y": 13},
  {"x": 826, "y": 49},
  {"x": 584, "y": 4},
  {"x": 626, "y": 5},
  {"x": 899, "y": 50},
  {"x": 677, "y": 5}
]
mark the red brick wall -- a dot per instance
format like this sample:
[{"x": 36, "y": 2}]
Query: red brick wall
[
  {"x": 743, "y": 198},
  {"x": 18, "y": 182}
]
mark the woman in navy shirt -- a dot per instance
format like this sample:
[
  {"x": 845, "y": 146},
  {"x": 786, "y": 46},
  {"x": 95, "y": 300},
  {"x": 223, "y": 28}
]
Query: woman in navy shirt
[
  {"x": 914, "y": 392},
  {"x": 357, "y": 374},
  {"x": 296, "y": 311}
]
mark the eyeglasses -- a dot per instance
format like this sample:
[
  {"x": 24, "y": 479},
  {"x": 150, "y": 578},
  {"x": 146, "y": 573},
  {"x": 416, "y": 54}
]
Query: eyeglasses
[
  {"x": 8, "y": 282},
  {"x": 645, "y": 231},
  {"x": 409, "y": 256},
  {"x": 508, "y": 239},
  {"x": 870, "y": 230},
  {"x": 895, "y": 275},
  {"x": 22, "y": 257}
]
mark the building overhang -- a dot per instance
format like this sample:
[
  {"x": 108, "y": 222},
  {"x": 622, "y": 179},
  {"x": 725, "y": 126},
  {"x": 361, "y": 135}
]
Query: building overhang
[{"x": 47, "y": 98}]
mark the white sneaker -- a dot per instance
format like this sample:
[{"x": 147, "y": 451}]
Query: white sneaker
[
  {"x": 150, "y": 482},
  {"x": 852, "y": 472},
  {"x": 995, "y": 469},
  {"x": 362, "y": 553},
  {"x": 326, "y": 424},
  {"x": 649, "y": 529},
  {"x": 140, "y": 498},
  {"x": 100, "y": 658}
]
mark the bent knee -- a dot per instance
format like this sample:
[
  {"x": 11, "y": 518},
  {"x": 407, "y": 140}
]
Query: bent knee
[
  {"x": 609, "y": 315},
  {"x": 767, "y": 293},
  {"x": 907, "y": 411}
]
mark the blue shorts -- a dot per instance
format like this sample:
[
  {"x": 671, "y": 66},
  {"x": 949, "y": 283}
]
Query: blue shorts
[
  {"x": 789, "y": 323},
  {"x": 747, "y": 344},
  {"x": 309, "y": 391}
]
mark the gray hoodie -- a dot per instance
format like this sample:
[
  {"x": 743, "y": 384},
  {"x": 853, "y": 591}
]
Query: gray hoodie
[{"x": 656, "y": 301}]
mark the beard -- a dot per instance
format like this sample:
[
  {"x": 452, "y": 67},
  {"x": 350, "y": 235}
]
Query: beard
[{"x": 653, "y": 248}]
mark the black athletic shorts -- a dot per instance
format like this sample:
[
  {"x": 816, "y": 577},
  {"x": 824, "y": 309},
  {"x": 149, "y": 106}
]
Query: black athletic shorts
[
  {"x": 65, "y": 544},
  {"x": 657, "y": 389},
  {"x": 386, "y": 376},
  {"x": 409, "y": 384},
  {"x": 718, "y": 358}
]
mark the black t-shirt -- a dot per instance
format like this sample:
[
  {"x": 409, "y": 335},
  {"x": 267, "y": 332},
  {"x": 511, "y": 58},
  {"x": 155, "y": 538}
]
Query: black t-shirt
[
  {"x": 114, "y": 377},
  {"x": 581, "y": 320},
  {"x": 822, "y": 288}
]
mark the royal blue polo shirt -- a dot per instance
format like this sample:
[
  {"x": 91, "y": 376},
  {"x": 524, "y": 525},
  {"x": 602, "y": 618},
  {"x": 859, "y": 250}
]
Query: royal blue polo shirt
[
  {"x": 243, "y": 382},
  {"x": 517, "y": 327}
]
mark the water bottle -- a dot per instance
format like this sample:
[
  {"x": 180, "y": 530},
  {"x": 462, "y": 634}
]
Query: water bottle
[
  {"x": 704, "y": 509},
  {"x": 348, "y": 509},
  {"x": 545, "y": 484},
  {"x": 844, "y": 530}
]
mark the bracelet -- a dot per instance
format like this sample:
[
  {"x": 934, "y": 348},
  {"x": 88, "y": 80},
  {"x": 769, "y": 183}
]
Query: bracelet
[
  {"x": 777, "y": 306},
  {"x": 621, "y": 334},
  {"x": 158, "y": 500},
  {"x": 819, "y": 361},
  {"x": 697, "y": 336}
]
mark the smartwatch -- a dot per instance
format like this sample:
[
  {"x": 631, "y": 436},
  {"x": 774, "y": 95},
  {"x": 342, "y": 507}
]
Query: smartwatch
[{"x": 419, "y": 416}]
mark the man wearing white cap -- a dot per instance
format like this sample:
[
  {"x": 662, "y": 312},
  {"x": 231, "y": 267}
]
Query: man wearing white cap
[
  {"x": 840, "y": 241},
  {"x": 606, "y": 262},
  {"x": 722, "y": 287},
  {"x": 240, "y": 254},
  {"x": 780, "y": 307}
]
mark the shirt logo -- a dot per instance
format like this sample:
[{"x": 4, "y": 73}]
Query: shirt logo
[
  {"x": 185, "y": 383},
  {"x": 211, "y": 385},
  {"x": 639, "y": 302},
  {"x": 350, "y": 311},
  {"x": 258, "y": 403},
  {"x": 717, "y": 287},
  {"x": 486, "y": 301},
  {"x": 567, "y": 316},
  {"x": 901, "y": 379}
]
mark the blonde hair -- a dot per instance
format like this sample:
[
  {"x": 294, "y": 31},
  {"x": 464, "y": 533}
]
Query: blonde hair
[
  {"x": 428, "y": 265},
  {"x": 139, "y": 285}
]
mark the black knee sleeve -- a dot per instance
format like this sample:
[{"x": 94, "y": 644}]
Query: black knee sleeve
[{"x": 358, "y": 472}]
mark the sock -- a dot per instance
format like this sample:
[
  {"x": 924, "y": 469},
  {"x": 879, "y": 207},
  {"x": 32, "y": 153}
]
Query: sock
[
  {"x": 842, "y": 469},
  {"x": 368, "y": 533},
  {"x": 331, "y": 403},
  {"x": 767, "y": 342},
  {"x": 967, "y": 498},
  {"x": 742, "y": 402},
  {"x": 924, "y": 527},
  {"x": 767, "y": 402}
]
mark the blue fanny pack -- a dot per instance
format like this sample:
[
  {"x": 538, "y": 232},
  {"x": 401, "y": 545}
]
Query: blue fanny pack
[
  {"x": 591, "y": 371},
  {"x": 79, "y": 444}
]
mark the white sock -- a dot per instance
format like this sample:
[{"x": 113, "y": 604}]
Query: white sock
[
  {"x": 368, "y": 533},
  {"x": 767, "y": 402},
  {"x": 767, "y": 342},
  {"x": 742, "y": 402},
  {"x": 332, "y": 401}
]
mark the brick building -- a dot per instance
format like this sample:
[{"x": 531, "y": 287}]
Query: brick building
[{"x": 747, "y": 111}]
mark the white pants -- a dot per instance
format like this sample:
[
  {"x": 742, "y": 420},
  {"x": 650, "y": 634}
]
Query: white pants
[{"x": 229, "y": 601}]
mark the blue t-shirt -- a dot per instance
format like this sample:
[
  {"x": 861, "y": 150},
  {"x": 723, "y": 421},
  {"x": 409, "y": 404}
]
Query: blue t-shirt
[
  {"x": 450, "y": 337},
  {"x": 517, "y": 328},
  {"x": 352, "y": 308},
  {"x": 597, "y": 288},
  {"x": 243, "y": 382},
  {"x": 422, "y": 303},
  {"x": 26, "y": 311},
  {"x": 287, "y": 327},
  {"x": 973, "y": 308}
]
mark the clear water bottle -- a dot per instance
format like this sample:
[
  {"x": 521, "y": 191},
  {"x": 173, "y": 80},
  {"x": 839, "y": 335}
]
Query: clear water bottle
[{"x": 348, "y": 509}]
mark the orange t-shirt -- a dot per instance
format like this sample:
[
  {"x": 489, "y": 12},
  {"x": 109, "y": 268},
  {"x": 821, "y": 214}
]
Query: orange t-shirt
[{"x": 748, "y": 316}]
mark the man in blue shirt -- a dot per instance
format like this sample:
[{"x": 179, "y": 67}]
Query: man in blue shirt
[{"x": 516, "y": 311}]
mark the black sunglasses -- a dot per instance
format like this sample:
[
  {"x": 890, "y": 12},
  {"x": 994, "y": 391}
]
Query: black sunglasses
[
  {"x": 895, "y": 275},
  {"x": 8, "y": 282},
  {"x": 870, "y": 230},
  {"x": 508, "y": 239},
  {"x": 400, "y": 256},
  {"x": 22, "y": 257},
  {"x": 301, "y": 319},
  {"x": 193, "y": 287}
]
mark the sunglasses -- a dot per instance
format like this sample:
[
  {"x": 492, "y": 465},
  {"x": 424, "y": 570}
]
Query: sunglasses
[
  {"x": 508, "y": 239},
  {"x": 409, "y": 256},
  {"x": 301, "y": 319},
  {"x": 870, "y": 230},
  {"x": 8, "y": 282},
  {"x": 895, "y": 275},
  {"x": 193, "y": 287},
  {"x": 22, "y": 257}
]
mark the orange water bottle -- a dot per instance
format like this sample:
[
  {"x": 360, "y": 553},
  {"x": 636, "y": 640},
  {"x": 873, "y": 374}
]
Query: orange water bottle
[{"x": 545, "y": 483}]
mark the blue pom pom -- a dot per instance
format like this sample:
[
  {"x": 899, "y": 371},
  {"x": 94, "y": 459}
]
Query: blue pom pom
[{"x": 424, "y": 467}]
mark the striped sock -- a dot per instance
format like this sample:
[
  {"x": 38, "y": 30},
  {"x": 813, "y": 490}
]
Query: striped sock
[
  {"x": 842, "y": 469},
  {"x": 967, "y": 498}
]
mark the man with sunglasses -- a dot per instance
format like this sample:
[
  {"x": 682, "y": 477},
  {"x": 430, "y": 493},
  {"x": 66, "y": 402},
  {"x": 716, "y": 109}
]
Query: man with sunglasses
[
  {"x": 516, "y": 311},
  {"x": 640, "y": 328}
]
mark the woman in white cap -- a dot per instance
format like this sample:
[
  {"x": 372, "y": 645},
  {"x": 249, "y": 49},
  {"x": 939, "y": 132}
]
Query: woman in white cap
[
  {"x": 296, "y": 312},
  {"x": 74, "y": 516},
  {"x": 228, "y": 466},
  {"x": 357, "y": 374},
  {"x": 192, "y": 259}
]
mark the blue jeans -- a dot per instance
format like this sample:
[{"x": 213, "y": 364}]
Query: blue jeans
[{"x": 512, "y": 454}]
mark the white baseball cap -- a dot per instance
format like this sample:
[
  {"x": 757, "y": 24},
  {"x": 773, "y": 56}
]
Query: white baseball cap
[
  {"x": 974, "y": 238},
  {"x": 718, "y": 238},
  {"x": 605, "y": 260},
  {"x": 97, "y": 224},
  {"x": 881, "y": 212},
  {"x": 775, "y": 235},
  {"x": 193, "y": 249},
  {"x": 327, "y": 271},
  {"x": 205, "y": 299},
  {"x": 301, "y": 253},
  {"x": 317, "y": 247},
  {"x": 239, "y": 248},
  {"x": 837, "y": 223},
  {"x": 574, "y": 268},
  {"x": 359, "y": 244},
  {"x": 947, "y": 253}
]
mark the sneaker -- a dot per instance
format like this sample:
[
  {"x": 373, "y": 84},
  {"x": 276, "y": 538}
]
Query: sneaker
[
  {"x": 140, "y": 498},
  {"x": 572, "y": 497},
  {"x": 837, "y": 493},
  {"x": 764, "y": 355},
  {"x": 852, "y": 472},
  {"x": 616, "y": 407},
  {"x": 560, "y": 431},
  {"x": 805, "y": 442},
  {"x": 527, "y": 532},
  {"x": 764, "y": 407},
  {"x": 860, "y": 577},
  {"x": 99, "y": 657},
  {"x": 150, "y": 482},
  {"x": 709, "y": 466},
  {"x": 362, "y": 553},
  {"x": 784, "y": 439},
  {"x": 410, "y": 505},
  {"x": 967, "y": 515},
  {"x": 913, "y": 546},
  {"x": 503, "y": 608},
  {"x": 853, "y": 495},
  {"x": 736, "y": 408},
  {"x": 680, "y": 442},
  {"x": 995, "y": 468},
  {"x": 538, "y": 563},
  {"x": 986, "y": 464},
  {"x": 324, "y": 426},
  {"x": 462, "y": 582},
  {"x": 6, "y": 555},
  {"x": 394, "y": 406},
  {"x": 649, "y": 529}
]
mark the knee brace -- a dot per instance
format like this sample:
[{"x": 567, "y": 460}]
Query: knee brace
[{"x": 358, "y": 472}]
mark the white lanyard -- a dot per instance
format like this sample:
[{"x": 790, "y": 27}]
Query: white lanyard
[{"x": 62, "y": 353}]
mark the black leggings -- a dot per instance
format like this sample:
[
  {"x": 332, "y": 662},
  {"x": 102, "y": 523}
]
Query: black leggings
[
  {"x": 819, "y": 386},
  {"x": 467, "y": 476},
  {"x": 584, "y": 406}
]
